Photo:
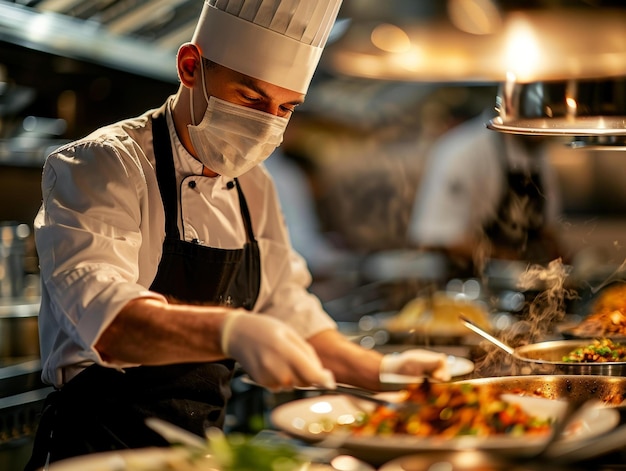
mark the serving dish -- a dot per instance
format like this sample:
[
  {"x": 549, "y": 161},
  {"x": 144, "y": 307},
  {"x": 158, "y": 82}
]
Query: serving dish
[{"x": 304, "y": 419}]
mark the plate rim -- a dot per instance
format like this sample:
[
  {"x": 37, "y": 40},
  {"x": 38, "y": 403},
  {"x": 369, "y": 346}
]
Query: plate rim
[{"x": 388, "y": 379}]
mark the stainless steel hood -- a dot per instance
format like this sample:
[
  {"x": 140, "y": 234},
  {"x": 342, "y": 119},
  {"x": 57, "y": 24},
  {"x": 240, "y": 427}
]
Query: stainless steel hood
[
  {"x": 562, "y": 64},
  {"x": 137, "y": 36}
]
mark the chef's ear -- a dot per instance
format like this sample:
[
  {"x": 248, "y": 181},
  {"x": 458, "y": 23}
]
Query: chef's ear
[{"x": 188, "y": 63}]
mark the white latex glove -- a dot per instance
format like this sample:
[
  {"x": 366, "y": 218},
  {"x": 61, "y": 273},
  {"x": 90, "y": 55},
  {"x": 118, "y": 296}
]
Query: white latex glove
[
  {"x": 272, "y": 353},
  {"x": 416, "y": 362}
]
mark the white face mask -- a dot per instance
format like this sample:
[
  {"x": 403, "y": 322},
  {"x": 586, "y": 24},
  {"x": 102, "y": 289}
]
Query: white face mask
[{"x": 231, "y": 139}]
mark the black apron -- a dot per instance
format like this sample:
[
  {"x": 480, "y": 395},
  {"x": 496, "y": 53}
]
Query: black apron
[
  {"x": 103, "y": 409},
  {"x": 520, "y": 217}
]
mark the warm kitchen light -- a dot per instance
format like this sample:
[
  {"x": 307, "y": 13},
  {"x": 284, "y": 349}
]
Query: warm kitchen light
[
  {"x": 390, "y": 38},
  {"x": 571, "y": 106},
  {"x": 538, "y": 44},
  {"x": 522, "y": 53},
  {"x": 475, "y": 16}
]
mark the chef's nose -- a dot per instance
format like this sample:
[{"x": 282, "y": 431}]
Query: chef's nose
[{"x": 272, "y": 108}]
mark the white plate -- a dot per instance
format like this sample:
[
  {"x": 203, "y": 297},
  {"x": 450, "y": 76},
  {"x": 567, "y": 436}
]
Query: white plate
[
  {"x": 458, "y": 366},
  {"x": 147, "y": 459},
  {"x": 296, "y": 418},
  {"x": 125, "y": 460}
]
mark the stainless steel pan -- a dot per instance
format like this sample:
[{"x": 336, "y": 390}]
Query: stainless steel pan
[
  {"x": 547, "y": 357},
  {"x": 608, "y": 389}
]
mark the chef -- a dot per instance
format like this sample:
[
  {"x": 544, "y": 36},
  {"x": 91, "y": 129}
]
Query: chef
[
  {"x": 488, "y": 195},
  {"x": 164, "y": 254}
]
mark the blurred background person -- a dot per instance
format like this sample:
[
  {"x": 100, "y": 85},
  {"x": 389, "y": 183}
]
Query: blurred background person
[
  {"x": 307, "y": 235},
  {"x": 487, "y": 195}
]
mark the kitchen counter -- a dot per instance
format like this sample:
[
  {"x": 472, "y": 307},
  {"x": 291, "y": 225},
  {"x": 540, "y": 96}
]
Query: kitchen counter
[{"x": 22, "y": 395}]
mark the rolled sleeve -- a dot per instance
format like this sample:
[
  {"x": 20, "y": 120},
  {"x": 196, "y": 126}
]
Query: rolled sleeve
[{"x": 90, "y": 240}]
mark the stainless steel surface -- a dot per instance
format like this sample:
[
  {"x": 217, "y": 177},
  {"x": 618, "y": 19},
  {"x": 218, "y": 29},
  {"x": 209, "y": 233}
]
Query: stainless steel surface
[
  {"x": 547, "y": 358},
  {"x": 608, "y": 389},
  {"x": 140, "y": 36},
  {"x": 486, "y": 335},
  {"x": 13, "y": 238},
  {"x": 19, "y": 329},
  {"x": 21, "y": 400},
  {"x": 592, "y": 107}
]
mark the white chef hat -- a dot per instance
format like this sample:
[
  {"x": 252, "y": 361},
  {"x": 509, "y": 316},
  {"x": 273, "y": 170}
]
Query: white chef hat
[{"x": 277, "y": 41}]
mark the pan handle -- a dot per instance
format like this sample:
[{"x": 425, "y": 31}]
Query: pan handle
[{"x": 470, "y": 325}]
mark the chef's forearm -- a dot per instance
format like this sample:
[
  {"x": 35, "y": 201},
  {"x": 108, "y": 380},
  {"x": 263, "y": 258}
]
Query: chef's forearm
[
  {"x": 349, "y": 362},
  {"x": 152, "y": 332}
]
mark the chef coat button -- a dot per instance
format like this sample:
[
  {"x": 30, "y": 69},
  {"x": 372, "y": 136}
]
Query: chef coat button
[{"x": 192, "y": 184}]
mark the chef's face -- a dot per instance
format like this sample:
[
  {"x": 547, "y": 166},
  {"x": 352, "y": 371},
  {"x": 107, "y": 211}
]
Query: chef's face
[{"x": 240, "y": 89}]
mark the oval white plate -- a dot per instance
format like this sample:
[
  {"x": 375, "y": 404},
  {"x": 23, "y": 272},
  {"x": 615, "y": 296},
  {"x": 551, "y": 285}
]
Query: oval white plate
[
  {"x": 141, "y": 459},
  {"x": 297, "y": 416},
  {"x": 458, "y": 366},
  {"x": 146, "y": 459}
]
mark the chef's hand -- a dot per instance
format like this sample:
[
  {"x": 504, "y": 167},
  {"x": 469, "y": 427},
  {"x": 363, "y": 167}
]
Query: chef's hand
[
  {"x": 416, "y": 362},
  {"x": 272, "y": 353}
]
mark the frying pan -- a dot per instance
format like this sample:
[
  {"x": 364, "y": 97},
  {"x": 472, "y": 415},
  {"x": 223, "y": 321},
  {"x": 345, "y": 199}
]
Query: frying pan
[
  {"x": 546, "y": 358},
  {"x": 608, "y": 389}
]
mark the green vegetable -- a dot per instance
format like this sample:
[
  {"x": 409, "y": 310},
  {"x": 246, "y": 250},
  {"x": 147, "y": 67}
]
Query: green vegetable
[{"x": 239, "y": 453}]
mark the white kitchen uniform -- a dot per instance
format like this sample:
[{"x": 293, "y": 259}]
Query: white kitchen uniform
[{"x": 100, "y": 239}]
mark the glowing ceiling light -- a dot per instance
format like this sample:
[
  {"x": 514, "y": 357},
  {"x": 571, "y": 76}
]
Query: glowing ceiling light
[
  {"x": 522, "y": 56},
  {"x": 571, "y": 103}
]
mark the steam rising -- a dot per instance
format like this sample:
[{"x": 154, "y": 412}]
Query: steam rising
[{"x": 539, "y": 317}]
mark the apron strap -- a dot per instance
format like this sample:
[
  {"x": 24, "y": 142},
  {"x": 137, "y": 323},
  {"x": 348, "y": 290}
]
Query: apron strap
[
  {"x": 166, "y": 174},
  {"x": 245, "y": 213},
  {"x": 166, "y": 177}
]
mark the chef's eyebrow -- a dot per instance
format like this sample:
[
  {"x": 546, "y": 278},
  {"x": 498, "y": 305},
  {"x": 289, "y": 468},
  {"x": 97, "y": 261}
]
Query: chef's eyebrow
[{"x": 254, "y": 85}]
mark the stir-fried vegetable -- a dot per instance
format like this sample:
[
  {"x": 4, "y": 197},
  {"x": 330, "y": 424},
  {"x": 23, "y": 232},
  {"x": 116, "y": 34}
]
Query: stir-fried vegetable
[
  {"x": 451, "y": 410},
  {"x": 600, "y": 351}
]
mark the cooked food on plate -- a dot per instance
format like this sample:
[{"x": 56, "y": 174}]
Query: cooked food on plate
[
  {"x": 600, "y": 351},
  {"x": 448, "y": 411},
  {"x": 607, "y": 317},
  {"x": 438, "y": 316}
]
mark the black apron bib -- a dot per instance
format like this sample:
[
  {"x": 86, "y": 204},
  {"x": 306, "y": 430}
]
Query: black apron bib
[
  {"x": 103, "y": 409},
  {"x": 520, "y": 217}
]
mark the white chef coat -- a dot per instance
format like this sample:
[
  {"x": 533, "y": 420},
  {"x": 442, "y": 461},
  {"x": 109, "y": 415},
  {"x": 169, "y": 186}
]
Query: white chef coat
[
  {"x": 100, "y": 230},
  {"x": 464, "y": 183}
]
